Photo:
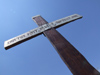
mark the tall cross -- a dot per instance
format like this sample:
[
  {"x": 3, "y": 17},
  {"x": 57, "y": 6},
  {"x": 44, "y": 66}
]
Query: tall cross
[{"x": 75, "y": 61}]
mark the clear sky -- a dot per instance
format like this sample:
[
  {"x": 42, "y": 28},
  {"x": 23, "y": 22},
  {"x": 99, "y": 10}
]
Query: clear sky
[{"x": 37, "y": 56}]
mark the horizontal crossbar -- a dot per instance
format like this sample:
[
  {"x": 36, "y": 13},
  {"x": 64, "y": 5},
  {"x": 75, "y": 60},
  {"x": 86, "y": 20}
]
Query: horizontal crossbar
[{"x": 39, "y": 30}]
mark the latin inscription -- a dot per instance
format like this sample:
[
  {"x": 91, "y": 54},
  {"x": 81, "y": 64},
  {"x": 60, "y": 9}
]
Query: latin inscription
[
  {"x": 42, "y": 28},
  {"x": 64, "y": 20}
]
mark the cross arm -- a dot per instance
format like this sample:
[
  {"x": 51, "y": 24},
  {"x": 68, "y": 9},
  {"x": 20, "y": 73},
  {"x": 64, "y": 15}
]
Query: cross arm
[
  {"x": 37, "y": 31},
  {"x": 22, "y": 38}
]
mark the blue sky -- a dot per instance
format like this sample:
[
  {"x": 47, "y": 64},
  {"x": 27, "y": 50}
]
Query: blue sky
[{"x": 37, "y": 56}]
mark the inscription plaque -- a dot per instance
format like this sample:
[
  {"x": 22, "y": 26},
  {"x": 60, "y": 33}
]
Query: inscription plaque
[{"x": 39, "y": 30}]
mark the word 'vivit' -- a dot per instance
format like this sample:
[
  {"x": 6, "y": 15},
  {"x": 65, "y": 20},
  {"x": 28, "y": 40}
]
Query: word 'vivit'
[{"x": 41, "y": 29}]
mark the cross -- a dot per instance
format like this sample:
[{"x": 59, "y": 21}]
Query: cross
[{"x": 75, "y": 61}]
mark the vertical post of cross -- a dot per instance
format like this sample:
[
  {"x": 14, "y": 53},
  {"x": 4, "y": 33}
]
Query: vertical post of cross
[{"x": 75, "y": 61}]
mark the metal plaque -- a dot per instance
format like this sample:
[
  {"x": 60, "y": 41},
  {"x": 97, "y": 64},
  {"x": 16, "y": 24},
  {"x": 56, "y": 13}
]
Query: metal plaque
[
  {"x": 65, "y": 20},
  {"x": 39, "y": 30}
]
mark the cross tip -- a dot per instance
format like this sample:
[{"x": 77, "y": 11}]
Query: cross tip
[
  {"x": 5, "y": 44},
  {"x": 79, "y": 15},
  {"x": 35, "y": 16}
]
